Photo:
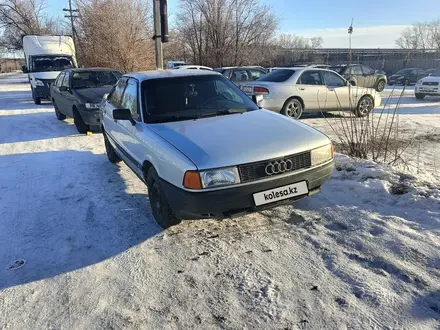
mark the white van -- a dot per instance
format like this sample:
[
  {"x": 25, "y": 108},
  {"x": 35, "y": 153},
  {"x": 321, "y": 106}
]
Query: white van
[{"x": 46, "y": 56}]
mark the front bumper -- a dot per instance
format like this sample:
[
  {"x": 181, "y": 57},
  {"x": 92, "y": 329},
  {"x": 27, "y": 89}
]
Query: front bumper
[
  {"x": 42, "y": 92},
  {"x": 90, "y": 116},
  {"x": 427, "y": 90},
  {"x": 239, "y": 200}
]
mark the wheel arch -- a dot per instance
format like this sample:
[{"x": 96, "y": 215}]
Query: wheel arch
[
  {"x": 299, "y": 98},
  {"x": 146, "y": 165}
]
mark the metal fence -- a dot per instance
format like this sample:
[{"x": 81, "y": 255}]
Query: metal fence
[{"x": 389, "y": 60}]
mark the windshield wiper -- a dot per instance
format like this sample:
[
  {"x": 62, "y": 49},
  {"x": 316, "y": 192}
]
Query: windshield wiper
[
  {"x": 167, "y": 118},
  {"x": 222, "y": 112}
]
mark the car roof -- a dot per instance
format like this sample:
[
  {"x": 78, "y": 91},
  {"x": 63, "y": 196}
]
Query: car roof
[
  {"x": 161, "y": 74},
  {"x": 89, "y": 69},
  {"x": 239, "y": 67}
]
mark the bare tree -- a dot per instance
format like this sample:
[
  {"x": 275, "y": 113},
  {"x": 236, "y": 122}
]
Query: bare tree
[
  {"x": 424, "y": 35},
  {"x": 116, "y": 34},
  {"x": 22, "y": 17},
  {"x": 225, "y": 32}
]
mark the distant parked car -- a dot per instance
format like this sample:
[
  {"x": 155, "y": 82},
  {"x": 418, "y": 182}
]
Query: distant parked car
[
  {"x": 406, "y": 76},
  {"x": 205, "y": 150},
  {"x": 314, "y": 65},
  {"x": 293, "y": 91},
  {"x": 77, "y": 93},
  {"x": 362, "y": 75},
  {"x": 429, "y": 72},
  {"x": 193, "y": 67},
  {"x": 428, "y": 86},
  {"x": 240, "y": 75}
]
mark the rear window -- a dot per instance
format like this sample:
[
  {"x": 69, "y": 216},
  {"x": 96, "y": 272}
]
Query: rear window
[{"x": 279, "y": 75}]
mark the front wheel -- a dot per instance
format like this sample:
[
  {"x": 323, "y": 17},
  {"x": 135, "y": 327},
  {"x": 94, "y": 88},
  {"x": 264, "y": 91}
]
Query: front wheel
[
  {"x": 420, "y": 96},
  {"x": 293, "y": 108},
  {"x": 159, "y": 204},
  {"x": 81, "y": 126},
  {"x": 365, "y": 106},
  {"x": 380, "y": 86}
]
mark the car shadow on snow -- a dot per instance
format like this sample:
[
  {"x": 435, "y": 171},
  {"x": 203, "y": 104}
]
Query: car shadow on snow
[
  {"x": 427, "y": 306},
  {"x": 66, "y": 210},
  {"x": 38, "y": 126}
]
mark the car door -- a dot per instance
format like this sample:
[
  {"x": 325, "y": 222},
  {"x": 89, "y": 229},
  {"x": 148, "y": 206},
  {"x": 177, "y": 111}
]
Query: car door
[
  {"x": 356, "y": 75},
  {"x": 55, "y": 92},
  {"x": 114, "y": 100},
  {"x": 338, "y": 92},
  {"x": 312, "y": 90},
  {"x": 132, "y": 143},
  {"x": 368, "y": 77},
  {"x": 66, "y": 97}
]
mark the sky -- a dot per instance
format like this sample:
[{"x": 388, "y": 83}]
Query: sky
[{"x": 377, "y": 23}]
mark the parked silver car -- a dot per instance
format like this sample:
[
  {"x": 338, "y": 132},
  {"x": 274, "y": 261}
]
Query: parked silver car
[
  {"x": 205, "y": 150},
  {"x": 293, "y": 91}
]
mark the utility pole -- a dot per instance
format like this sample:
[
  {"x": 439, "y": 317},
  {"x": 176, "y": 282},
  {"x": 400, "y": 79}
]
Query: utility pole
[
  {"x": 157, "y": 35},
  {"x": 160, "y": 30},
  {"x": 71, "y": 16},
  {"x": 350, "y": 32}
]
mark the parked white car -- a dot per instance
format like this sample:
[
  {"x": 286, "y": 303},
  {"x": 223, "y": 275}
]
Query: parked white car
[
  {"x": 194, "y": 67},
  {"x": 293, "y": 91},
  {"x": 205, "y": 150},
  {"x": 428, "y": 86}
]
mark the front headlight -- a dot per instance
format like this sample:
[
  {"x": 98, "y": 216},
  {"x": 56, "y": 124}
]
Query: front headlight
[
  {"x": 219, "y": 177},
  {"x": 322, "y": 154},
  {"x": 39, "y": 82},
  {"x": 92, "y": 105}
]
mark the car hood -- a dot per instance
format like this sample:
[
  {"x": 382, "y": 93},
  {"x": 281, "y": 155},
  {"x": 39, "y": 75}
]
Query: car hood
[
  {"x": 431, "y": 79},
  {"x": 92, "y": 95},
  {"x": 49, "y": 75},
  {"x": 239, "y": 138}
]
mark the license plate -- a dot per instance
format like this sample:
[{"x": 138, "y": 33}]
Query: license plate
[
  {"x": 248, "y": 89},
  {"x": 281, "y": 193}
]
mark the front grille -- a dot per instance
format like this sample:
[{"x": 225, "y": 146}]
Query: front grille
[
  {"x": 430, "y": 83},
  {"x": 254, "y": 171}
]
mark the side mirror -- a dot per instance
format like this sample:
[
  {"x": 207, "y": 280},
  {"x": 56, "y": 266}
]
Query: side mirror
[
  {"x": 123, "y": 114},
  {"x": 105, "y": 97},
  {"x": 63, "y": 88},
  {"x": 24, "y": 69},
  {"x": 257, "y": 98}
]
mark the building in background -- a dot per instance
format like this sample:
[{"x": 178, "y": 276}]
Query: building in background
[{"x": 10, "y": 64}]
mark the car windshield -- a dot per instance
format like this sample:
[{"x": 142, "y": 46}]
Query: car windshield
[
  {"x": 192, "y": 97},
  {"x": 337, "y": 69},
  {"x": 51, "y": 63},
  {"x": 94, "y": 79},
  {"x": 278, "y": 75},
  {"x": 404, "y": 71},
  {"x": 436, "y": 73}
]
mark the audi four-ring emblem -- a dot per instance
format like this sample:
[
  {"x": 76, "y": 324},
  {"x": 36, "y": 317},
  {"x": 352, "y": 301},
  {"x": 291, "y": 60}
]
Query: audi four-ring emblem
[{"x": 278, "y": 167}]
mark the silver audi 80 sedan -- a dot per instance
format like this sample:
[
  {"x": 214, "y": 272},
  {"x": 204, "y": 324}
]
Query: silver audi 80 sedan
[
  {"x": 205, "y": 150},
  {"x": 292, "y": 91}
]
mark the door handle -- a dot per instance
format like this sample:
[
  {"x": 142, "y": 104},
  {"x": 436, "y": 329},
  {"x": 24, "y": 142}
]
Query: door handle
[
  {"x": 331, "y": 89},
  {"x": 302, "y": 89}
]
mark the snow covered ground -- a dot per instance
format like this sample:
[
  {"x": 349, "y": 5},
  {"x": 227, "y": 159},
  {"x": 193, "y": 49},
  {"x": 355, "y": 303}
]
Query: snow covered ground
[{"x": 363, "y": 254}]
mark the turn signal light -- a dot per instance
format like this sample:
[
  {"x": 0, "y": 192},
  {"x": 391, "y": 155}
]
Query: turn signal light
[
  {"x": 261, "y": 90},
  {"x": 191, "y": 180}
]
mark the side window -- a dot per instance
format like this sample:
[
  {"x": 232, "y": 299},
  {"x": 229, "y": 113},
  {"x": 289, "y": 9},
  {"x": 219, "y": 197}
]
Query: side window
[
  {"x": 130, "y": 99},
  {"x": 310, "y": 78},
  {"x": 116, "y": 94},
  {"x": 59, "y": 79},
  {"x": 333, "y": 80},
  {"x": 356, "y": 69},
  {"x": 367, "y": 69},
  {"x": 227, "y": 92},
  {"x": 256, "y": 74},
  {"x": 226, "y": 73},
  {"x": 66, "y": 79}
]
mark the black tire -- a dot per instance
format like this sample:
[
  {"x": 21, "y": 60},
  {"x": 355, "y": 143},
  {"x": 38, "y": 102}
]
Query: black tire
[
  {"x": 110, "y": 151},
  {"x": 365, "y": 106},
  {"x": 292, "y": 108},
  {"x": 160, "y": 208},
  {"x": 81, "y": 126},
  {"x": 380, "y": 85},
  {"x": 420, "y": 96},
  {"x": 352, "y": 82},
  {"x": 37, "y": 100},
  {"x": 58, "y": 114}
]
